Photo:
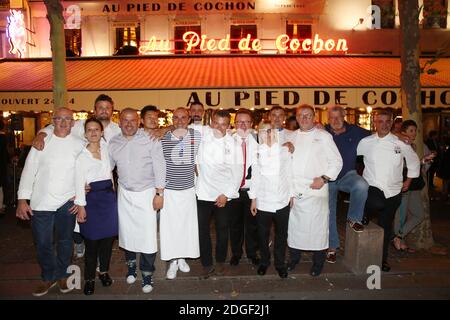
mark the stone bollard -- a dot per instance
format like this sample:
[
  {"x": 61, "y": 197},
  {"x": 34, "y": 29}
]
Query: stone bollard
[{"x": 364, "y": 248}]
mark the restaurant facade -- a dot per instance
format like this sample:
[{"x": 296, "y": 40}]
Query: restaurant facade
[{"x": 226, "y": 54}]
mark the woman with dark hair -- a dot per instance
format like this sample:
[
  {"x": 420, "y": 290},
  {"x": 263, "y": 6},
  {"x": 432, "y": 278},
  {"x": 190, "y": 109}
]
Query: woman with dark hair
[
  {"x": 97, "y": 213},
  {"x": 411, "y": 212}
]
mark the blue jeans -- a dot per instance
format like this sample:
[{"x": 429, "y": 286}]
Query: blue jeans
[
  {"x": 354, "y": 184},
  {"x": 43, "y": 223}
]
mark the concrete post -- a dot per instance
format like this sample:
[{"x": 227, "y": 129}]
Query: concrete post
[{"x": 364, "y": 248}]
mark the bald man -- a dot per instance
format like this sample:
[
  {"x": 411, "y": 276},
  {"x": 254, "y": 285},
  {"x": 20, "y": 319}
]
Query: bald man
[
  {"x": 142, "y": 174},
  {"x": 178, "y": 226},
  {"x": 48, "y": 181}
]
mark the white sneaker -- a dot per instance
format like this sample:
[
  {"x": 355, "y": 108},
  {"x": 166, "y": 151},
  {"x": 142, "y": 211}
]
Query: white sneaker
[
  {"x": 147, "y": 288},
  {"x": 147, "y": 284},
  {"x": 172, "y": 271},
  {"x": 183, "y": 266},
  {"x": 131, "y": 279}
]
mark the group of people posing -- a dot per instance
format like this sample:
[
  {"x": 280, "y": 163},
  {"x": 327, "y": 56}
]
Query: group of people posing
[{"x": 191, "y": 172}]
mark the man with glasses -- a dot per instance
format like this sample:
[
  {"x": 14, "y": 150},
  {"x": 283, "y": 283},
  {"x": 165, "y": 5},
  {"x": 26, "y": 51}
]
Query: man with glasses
[
  {"x": 48, "y": 181},
  {"x": 243, "y": 224},
  {"x": 178, "y": 225},
  {"x": 103, "y": 111},
  {"x": 316, "y": 161}
]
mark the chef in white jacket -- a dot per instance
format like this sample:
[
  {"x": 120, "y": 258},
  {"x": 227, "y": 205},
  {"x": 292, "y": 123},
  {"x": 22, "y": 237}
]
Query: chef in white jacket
[{"x": 316, "y": 160}]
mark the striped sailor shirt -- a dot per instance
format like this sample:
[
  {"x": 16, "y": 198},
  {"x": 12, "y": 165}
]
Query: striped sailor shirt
[{"x": 179, "y": 154}]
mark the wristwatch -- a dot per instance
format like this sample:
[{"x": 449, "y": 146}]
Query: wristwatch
[
  {"x": 160, "y": 194},
  {"x": 325, "y": 179}
]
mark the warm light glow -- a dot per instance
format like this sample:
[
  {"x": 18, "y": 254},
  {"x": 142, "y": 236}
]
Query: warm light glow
[
  {"x": 16, "y": 33},
  {"x": 80, "y": 115},
  {"x": 316, "y": 44},
  {"x": 6, "y": 114},
  {"x": 194, "y": 41},
  {"x": 369, "y": 109}
]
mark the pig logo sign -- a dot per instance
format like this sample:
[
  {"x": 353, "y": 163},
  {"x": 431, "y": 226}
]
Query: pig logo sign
[{"x": 16, "y": 33}]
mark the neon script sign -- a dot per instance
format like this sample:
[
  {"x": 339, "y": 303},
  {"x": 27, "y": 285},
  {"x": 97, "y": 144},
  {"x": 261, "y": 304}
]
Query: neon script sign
[
  {"x": 193, "y": 41},
  {"x": 16, "y": 33}
]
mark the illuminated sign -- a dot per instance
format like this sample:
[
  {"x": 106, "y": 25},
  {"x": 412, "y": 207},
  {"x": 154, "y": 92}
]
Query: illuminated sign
[
  {"x": 72, "y": 16},
  {"x": 193, "y": 41},
  {"x": 257, "y": 98},
  {"x": 16, "y": 33}
]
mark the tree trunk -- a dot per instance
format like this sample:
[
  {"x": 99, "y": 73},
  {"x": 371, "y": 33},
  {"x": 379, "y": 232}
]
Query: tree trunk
[
  {"x": 421, "y": 237},
  {"x": 57, "y": 41}
]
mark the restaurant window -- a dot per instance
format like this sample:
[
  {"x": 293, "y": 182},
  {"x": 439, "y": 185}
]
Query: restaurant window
[
  {"x": 238, "y": 32},
  {"x": 73, "y": 42},
  {"x": 180, "y": 45},
  {"x": 300, "y": 32},
  {"x": 127, "y": 40},
  {"x": 387, "y": 11},
  {"x": 435, "y": 14}
]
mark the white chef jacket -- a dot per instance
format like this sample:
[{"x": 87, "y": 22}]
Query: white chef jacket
[
  {"x": 48, "y": 178},
  {"x": 220, "y": 166},
  {"x": 383, "y": 161}
]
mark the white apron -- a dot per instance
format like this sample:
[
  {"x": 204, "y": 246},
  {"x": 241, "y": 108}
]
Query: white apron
[
  {"x": 308, "y": 222},
  {"x": 137, "y": 220},
  {"x": 178, "y": 225}
]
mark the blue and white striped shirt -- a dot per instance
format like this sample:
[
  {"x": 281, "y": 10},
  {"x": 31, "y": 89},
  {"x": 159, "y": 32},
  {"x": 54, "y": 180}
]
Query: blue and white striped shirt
[{"x": 179, "y": 154}]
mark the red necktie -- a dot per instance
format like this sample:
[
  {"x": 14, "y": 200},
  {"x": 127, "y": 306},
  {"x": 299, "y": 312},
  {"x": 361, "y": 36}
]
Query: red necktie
[{"x": 244, "y": 153}]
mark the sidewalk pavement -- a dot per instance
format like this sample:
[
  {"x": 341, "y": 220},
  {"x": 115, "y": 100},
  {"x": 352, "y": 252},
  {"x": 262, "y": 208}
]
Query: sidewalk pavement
[{"x": 421, "y": 275}]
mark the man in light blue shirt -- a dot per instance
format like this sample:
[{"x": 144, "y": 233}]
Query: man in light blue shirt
[{"x": 142, "y": 173}]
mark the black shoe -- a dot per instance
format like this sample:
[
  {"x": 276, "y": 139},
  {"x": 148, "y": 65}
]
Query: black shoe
[
  {"x": 207, "y": 272},
  {"x": 282, "y": 272},
  {"x": 262, "y": 270},
  {"x": 234, "y": 261},
  {"x": 89, "y": 287},
  {"x": 365, "y": 220},
  {"x": 316, "y": 270},
  {"x": 291, "y": 265},
  {"x": 105, "y": 279},
  {"x": 255, "y": 261},
  {"x": 385, "y": 267}
]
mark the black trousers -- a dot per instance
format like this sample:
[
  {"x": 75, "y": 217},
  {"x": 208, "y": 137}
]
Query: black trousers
[
  {"x": 319, "y": 257},
  {"x": 280, "y": 219},
  {"x": 101, "y": 249},
  {"x": 243, "y": 226},
  {"x": 384, "y": 209},
  {"x": 205, "y": 210}
]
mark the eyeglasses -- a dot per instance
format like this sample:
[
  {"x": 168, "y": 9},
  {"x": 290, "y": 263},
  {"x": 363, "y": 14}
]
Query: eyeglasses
[
  {"x": 243, "y": 122},
  {"x": 306, "y": 116},
  {"x": 58, "y": 119}
]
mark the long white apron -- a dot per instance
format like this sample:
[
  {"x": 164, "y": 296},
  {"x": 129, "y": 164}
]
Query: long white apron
[
  {"x": 137, "y": 220},
  {"x": 178, "y": 225},
  {"x": 308, "y": 222}
]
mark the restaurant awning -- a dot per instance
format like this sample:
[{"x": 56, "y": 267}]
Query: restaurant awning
[{"x": 219, "y": 81}]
